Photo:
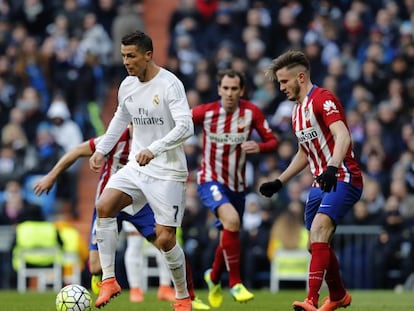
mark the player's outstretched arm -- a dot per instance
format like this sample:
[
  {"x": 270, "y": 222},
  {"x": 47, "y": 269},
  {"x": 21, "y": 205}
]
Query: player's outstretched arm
[{"x": 45, "y": 183}]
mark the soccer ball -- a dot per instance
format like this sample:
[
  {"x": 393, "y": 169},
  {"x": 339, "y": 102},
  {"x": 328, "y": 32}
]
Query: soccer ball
[{"x": 73, "y": 297}]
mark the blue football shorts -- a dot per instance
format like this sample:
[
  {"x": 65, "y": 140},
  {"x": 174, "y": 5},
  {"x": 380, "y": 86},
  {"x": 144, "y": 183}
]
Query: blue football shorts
[
  {"x": 143, "y": 221},
  {"x": 335, "y": 204},
  {"x": 214, "y": 194}
]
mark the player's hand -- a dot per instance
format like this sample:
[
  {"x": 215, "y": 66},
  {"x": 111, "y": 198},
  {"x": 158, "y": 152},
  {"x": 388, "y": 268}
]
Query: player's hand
[
  {"x": 96, "y": 161},
  {"x": 144, "y": 157},
  {"x": 44, "y": 184},
  {"x": 270, "y": 188},
  {"x": 250, "y": 146},
  {"x": 328, "y": 179}
]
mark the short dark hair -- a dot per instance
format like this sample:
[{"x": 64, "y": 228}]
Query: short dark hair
[
  {"x": 289, "y": 59},
  {"x": 140, "y": 39},
  {"x": 232, "y": 74}
]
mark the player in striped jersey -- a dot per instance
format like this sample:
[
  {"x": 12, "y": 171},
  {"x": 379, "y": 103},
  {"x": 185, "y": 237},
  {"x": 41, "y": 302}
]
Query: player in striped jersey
[
  {"x": 324, "y": 143},
  {"x": 227, "y": 124}
]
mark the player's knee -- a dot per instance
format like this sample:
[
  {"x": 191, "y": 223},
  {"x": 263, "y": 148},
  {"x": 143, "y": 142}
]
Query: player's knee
[
  {"x": 104, "y": 210},
  {"x": 231, "y": 224},
  {"x": 165, "y": 240}
]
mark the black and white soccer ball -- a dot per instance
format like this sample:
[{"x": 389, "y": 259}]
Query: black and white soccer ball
[{"x": 73, "y": 297}]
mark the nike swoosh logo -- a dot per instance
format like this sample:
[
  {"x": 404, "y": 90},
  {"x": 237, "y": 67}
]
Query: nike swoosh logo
[{"x": 325, "y": 205}]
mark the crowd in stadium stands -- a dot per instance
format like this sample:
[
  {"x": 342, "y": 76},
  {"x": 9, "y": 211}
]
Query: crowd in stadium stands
[{"x": 58, "y": 58}]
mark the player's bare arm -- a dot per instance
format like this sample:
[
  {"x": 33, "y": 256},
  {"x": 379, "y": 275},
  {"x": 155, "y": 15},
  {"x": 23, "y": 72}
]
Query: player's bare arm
[
  {"x": 44, "y": 184},
  {"x": 342, "y": 142},
  {"x": 298, "y": 163}
]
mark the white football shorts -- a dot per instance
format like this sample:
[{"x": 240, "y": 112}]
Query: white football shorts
[{"x": 166, "y": 197}]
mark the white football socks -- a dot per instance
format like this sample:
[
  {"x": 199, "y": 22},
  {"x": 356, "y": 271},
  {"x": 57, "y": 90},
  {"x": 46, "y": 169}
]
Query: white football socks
[
  {"x": 163, "y": 270},
  {"x": 176, "y": 262},
  {"x": 134, "y": 260},
  {"x": 107, "y": 237}
]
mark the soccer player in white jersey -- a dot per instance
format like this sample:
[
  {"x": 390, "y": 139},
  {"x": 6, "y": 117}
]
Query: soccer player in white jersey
[
  {"x": 324, "y": 143},
  {"x": 227, "y": 124},
  {"x": 154, "y": 100},
  {"x": 137, "y": 226}
]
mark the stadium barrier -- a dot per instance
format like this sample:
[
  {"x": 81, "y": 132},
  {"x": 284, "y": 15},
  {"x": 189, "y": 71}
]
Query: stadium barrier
[{"x": 353, "y": 245}]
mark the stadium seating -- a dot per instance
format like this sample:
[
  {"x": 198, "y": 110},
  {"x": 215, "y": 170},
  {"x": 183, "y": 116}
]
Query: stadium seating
[
  {"x": 289, "y": 265},
  {"x": 50, "y": 274}
]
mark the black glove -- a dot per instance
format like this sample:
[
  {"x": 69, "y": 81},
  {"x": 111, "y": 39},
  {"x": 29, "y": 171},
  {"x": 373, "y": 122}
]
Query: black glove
[
  {"x": 270, "y": 188},
  {"x": 327, "y": 180}
]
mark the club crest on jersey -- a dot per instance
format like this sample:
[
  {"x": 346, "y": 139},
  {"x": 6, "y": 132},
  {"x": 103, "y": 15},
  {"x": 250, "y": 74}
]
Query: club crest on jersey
[
  {"x": 156, "y": 100},
  {"x": 241, "y": 123},
  {"x": 306, "y": 113}
]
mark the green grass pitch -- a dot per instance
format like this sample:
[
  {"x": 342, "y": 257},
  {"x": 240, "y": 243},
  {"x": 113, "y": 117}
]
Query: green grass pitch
[{"x": 264, "y": 300}]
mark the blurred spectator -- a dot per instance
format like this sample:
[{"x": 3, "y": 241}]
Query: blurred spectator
[
  {"x": 392, "y": 255},
  {"x": 29, "y": 103},
  {"x": 94, "y": 39},
  {"x": 313, "y": 52},
  {"x": 399, "y": 189},
  {"x": 128, "y": 19},
  {"x": 282, "y": 119},
  {"x": 224, "y": 28},
  {"x": 186, "y": 19},
  {"x": 373, "y": 196},
  {"x": 375, "y": 169},
  {"x": 62, "y": 128},
  {"x": 11, "y": 166},
  {"x": 360, "y": 215},
  {"x": 14, "y": 204},
  {"x": 62, "y": 125},
  {"x": 105, "y": 11},
  {"x": 7, "y": 99},
  {"x": 356, "y": 127},
  {"x": 30, "y": 71},
  {"x": 44, "y": 152},
  {"x": 285, "y": 153},
  {"x": 187, "y": 57},
  {"x": 353, "y": 30},
  {"x": 252, "y": 217},
  {"x": 284, "y": 17},
  {"x": 74, "y": 14},
  {"x": 373, "y": 76},
  {"x": 35, "y": 16},
  {"x": 13, "y": 134},
  {"x": 344, "y": 84},
  {"x": 390, "y": 132},
  {"x": 373, "y": 141},
  {"x": 87, "y": 95},
  {"x": 206, "y": 9}
]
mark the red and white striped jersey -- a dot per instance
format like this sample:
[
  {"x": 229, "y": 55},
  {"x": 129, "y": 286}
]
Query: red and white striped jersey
[
  {"x": 223, "y": 133},
  {"x": 310, "y": 121},
  {"x": 116, "y": 158}
]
